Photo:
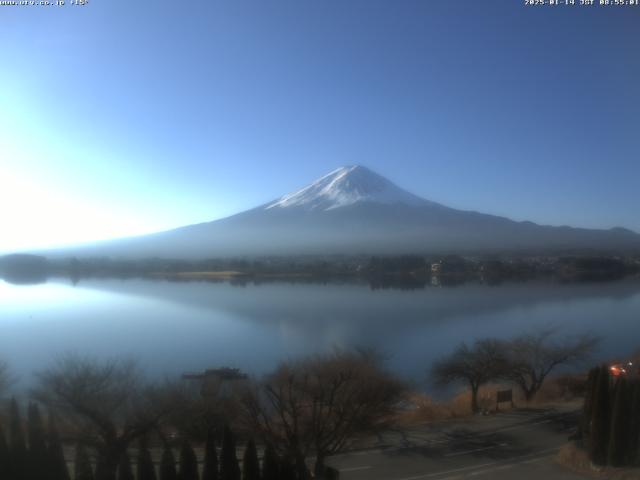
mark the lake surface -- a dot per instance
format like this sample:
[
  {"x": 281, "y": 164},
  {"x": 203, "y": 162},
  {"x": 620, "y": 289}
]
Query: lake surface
[{"x": 171, "y": 327}]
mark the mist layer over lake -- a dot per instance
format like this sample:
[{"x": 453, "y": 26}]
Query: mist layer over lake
[{"x": 172, "y": 328}]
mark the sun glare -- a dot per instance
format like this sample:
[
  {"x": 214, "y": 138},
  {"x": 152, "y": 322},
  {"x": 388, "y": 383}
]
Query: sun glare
[{"x": 37, "y": 216}]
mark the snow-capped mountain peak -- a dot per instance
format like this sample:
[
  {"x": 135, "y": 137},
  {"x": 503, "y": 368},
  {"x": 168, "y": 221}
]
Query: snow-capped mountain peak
[{"x": 347, "y": 186}]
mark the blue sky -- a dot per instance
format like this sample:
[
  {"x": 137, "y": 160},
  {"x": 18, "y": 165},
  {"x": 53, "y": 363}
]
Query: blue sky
[{"x": 124, "y": 117}]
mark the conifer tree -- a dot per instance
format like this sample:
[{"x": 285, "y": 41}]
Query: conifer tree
[
  {"x": 210, "y": 469},
  {"x": 57, "y": 463},
  {"x": 229, "y": 468},
  {"x": 188, "y": 462},
  {"x": 17, "y": 447},
  {"x": 634, "y": 424},
  {"x": 601, "y": 415},
  {"x": 287, "y": 470},
  {"x": 145, "y": 468},
  {"x": 82, "y": 464},
  {"x": 103, "y": 471},
  {"x": 125, "y": 472},
  {"x": 4, "y": 456},
  {"x": 587, "y": 412},
  {"x": 619, "y": 433},
  {"x": 38, "y": 456},
  {"x": 270, "y": 464},
  {"x": 168, "y": 465},
  {"x": 250, "y": 463}
]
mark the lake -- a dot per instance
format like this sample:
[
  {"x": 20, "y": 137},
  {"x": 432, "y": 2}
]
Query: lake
[{"x": 175, "y": 327}]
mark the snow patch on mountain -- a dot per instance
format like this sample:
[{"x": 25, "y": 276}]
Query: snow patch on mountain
[{"x": 347, "y": 186}]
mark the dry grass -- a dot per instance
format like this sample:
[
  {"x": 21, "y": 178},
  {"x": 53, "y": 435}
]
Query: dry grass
[
  {"x": 576, "y": 459},
  {"x": 426, "y": 409}
]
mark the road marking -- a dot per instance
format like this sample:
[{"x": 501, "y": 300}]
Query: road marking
[
  {"x": 517, "y": 427},
  {"x": 523, "y": 414},
  {"x": 457, "y": 454},
  {"x": 355, "y": 469},
  {"x": 491, "y": 470},
  {"x": 500, "y": 466},
  {"x": 507, "y": 466},
  {"x": 537, "y": 459},
  {"x": 435, "y": 474},
  {"x": 360, "y": 453}
]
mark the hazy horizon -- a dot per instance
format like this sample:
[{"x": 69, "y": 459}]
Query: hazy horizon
[{"x": 97, "y": 241}]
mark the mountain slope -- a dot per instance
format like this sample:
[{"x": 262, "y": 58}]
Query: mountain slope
[{"x": 354, "y": 210}]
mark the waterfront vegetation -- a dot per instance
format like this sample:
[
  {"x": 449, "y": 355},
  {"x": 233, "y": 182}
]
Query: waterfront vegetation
[
  {"x": 107, "y": 422},
  {"x": 401, "y": 271},
  {"x": 114, "y": 419}
]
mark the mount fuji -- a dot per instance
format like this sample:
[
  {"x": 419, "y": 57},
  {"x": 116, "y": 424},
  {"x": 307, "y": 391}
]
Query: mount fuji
[{"x": 353, "y": 210}]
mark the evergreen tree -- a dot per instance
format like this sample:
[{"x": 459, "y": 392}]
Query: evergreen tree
[
  {"x": 57, "y": 463},
  {"x": 4, "y": 456},
  {"x": 270, "y": 464},
  {"x": 38, "y": 456},
  {"x": 125, "y": 472},
  {"x": 229, "y": 468},
  {"x": 634, "y": 424},
  {"x": 103, "y": 472},
  {"x": 168, "y": 465},
  {"x": 250, "y": 464},
  {"x": 145, "y": 470},
  {"x": 82, "y": 464},
  {"x": 587, "y": 412},
  {"x": 17, "y": 446},
  {"x": 619, "y": 433},
  {"x": 188, "y": 462},
  {"x": 210, "y": 470},
  {"x": 601, "y": 414},
  {"x": 287, "y": 470}
]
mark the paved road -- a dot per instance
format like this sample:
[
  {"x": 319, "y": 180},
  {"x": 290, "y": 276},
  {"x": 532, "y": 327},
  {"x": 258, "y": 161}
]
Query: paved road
[{"x": 520, "y": 444}]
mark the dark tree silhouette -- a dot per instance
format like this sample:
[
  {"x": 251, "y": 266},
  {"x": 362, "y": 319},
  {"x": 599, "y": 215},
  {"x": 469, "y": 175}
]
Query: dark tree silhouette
[
  {"x": 210, "y": 469},
  {"x": 17, "y": 444},
  {"x": 38, "y": 455},
  {"x": 4, "y": 455},
  {"x": 168, "y": 465},
  {"x": 321, "y": 404},
  {"x": 287, "y": 469},
  {"x": 125, "y": 472},
  {"x": 250, "y": 463},
  {"x": 229, "y": 468},
  {"x": 82, "y": 464},
  {"x": 634, "y": 435},
  {"x": 485, "y": 360},
  {"x": 188, "y": 462},
  {"x": 620, "y": 432},
  {"x": 587, "y": 410},
  {"x": 270, "y": 464},
  {"x": 532, "y": 357},
  {"x": 600, "y": 420},
  {"x": 57, "y": 462},
  {"x": 107, "y": 403},
  {"x": 145, "y": 468}
]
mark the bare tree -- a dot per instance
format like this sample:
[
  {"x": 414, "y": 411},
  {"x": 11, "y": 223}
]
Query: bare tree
[
  {"x": 532, "y": 357},
  {"x": 484, "y": 361},
  {"x": 320, "y": 405},
  {"x": 107, "y": 403},
  {"x": 203, "y": 405}
]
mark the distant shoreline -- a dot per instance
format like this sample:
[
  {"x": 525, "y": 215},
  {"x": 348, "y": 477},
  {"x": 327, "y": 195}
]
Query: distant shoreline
[
  {"x": 403, "y": 271},
  {"x": 225, "y": 275}
]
